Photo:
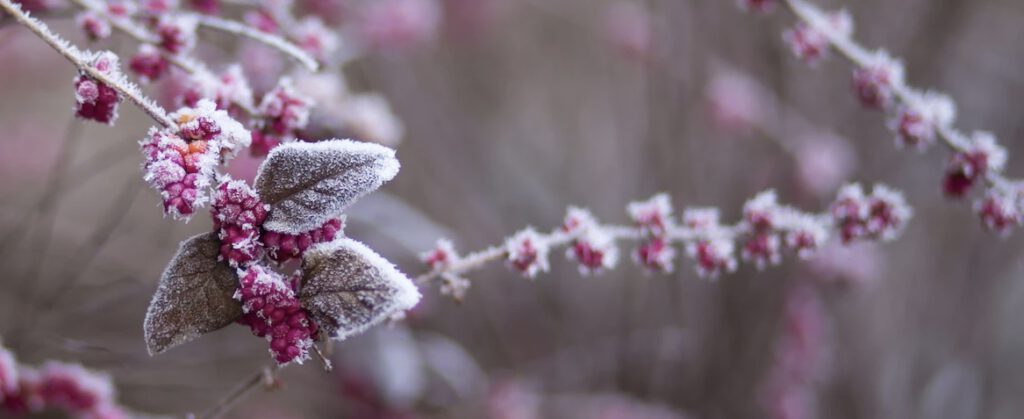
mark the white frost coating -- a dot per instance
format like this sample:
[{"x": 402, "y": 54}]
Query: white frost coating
[
  {"x": 233, "y": 136},
  {"x": 274, "y": 41},
  {"x": 406, "y": 295},
  {"x": 307, "y": 184},
  {"x": 527, "y": 252}
]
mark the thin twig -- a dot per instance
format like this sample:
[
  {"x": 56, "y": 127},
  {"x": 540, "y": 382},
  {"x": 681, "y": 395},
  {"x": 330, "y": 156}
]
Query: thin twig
[
  {"x": 140, "y": 35},
  {"x": 264, "y": 376},
  {"x": 328, "y": 366},
  {"x": 274, "y": 41},
  {"x": 858, "y": 55},
  {"x": 559, "y": 238},
  {"x": 76, "y": 57}
]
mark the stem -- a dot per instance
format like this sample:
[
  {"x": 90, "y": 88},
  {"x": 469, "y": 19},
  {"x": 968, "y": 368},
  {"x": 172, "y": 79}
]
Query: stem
[
  {"x": 264, "y": 376},
  {"x": 76, "y": 57},
  {"x": 273, "y": 41},
  {"x": 139, "y": 34},
  {"x": 858, "y": 55},
  {"x": 559, "y": 238}
]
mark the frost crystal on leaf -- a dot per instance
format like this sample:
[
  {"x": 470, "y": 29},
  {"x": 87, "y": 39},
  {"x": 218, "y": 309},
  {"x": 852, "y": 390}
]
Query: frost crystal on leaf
[
  {"x": 194, "y": 296},
  {"x": 307, "y": 184},
  {"x": 348, "y": 288}
]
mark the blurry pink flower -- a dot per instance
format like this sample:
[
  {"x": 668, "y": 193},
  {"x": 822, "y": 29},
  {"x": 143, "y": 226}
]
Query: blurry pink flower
[
  {"x": 399, "y": 24},
  {"x": 735, "y": 101},
  {"x": 627, "y": 27},
  {"x": 823, "y": 162},
  {"x": 511, "y": 399},
  {"x": 856, "y": 263},
  {"x": 465, "y": 20}
]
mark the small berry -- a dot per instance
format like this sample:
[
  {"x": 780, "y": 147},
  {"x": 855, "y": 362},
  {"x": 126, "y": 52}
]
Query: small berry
[
  {"x": 806, "y": 235},
  {"x": 810, "y": 44},
  {"x": 714, "y": 256},
  {"x": 315, "y": 38},
  {"x": 999, "y": 212},
  {"x": 148, "y": 64},
  {"x": 441, "y": 256},
  {"x": 73, "y": 388},
  {"x": 282, "y": 247},
  {"x": 762, "y": 211},
  {"x": 655, "y": 255},
  {"x": 94, "y": 25},
  {"x": 875, "y": 81},
  {"x": 763, "y": 248},
  {"x": 527, "y": 253},
  {"x": 965, "y": 167},
  {"x": 93, "y": 99},
  {"x": 177, "y": 33},
  {"x": 653, "y": 216},
  {"x": 285, "y": 109},
  {"x": 916, "y": 124}
]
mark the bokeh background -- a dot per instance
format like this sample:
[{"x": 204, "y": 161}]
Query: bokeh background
[{"x": 512, "y": 111}]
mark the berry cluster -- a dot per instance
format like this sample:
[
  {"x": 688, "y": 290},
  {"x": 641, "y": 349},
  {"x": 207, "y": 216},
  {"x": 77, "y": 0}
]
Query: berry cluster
[
  {"x": 284, "y": 111},
  {"x": 78, "y": 392},
  {"x": 879, "y": 216},
  {"x": 282, "y": 247},
  {"x": 653, "y": 218},
  {"x": 593, "y": 247},
  {"x": 93, "y": 99},
  {"x": 918, "y": 118},
  {"x": 181, "y": 164},
  {"x": 238, "y": 214},
  {"x": 766, "y": 231},
  {"x": 527, "y": 252},
  {"x": 273, "y": 311}
]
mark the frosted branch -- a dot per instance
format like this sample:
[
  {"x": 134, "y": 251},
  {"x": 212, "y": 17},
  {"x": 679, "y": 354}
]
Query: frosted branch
[
  {"x": 77, "y": 57},
  {"x": 139, "y": 34},
  {"x": 273, "y": 41},
  {"x": 765, "y": 231},
  {"x": 842, "y": 42}
]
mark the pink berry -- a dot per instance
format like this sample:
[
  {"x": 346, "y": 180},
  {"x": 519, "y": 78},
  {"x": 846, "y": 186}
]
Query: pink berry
[{"x": 272, "y": 310}]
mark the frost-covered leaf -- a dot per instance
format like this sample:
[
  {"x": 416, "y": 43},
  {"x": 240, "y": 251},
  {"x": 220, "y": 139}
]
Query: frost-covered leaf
[
  {"x": 348, "y": 288},
  {"x": 307, "y": 184},
  {"x": 194, "y": 296}
]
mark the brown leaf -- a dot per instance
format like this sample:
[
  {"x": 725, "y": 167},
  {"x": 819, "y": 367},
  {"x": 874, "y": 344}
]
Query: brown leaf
[
  {"x": 307, "y": 184},
  {"x": 195, "y": 296},
  {"x": 347, "y": 287}
]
